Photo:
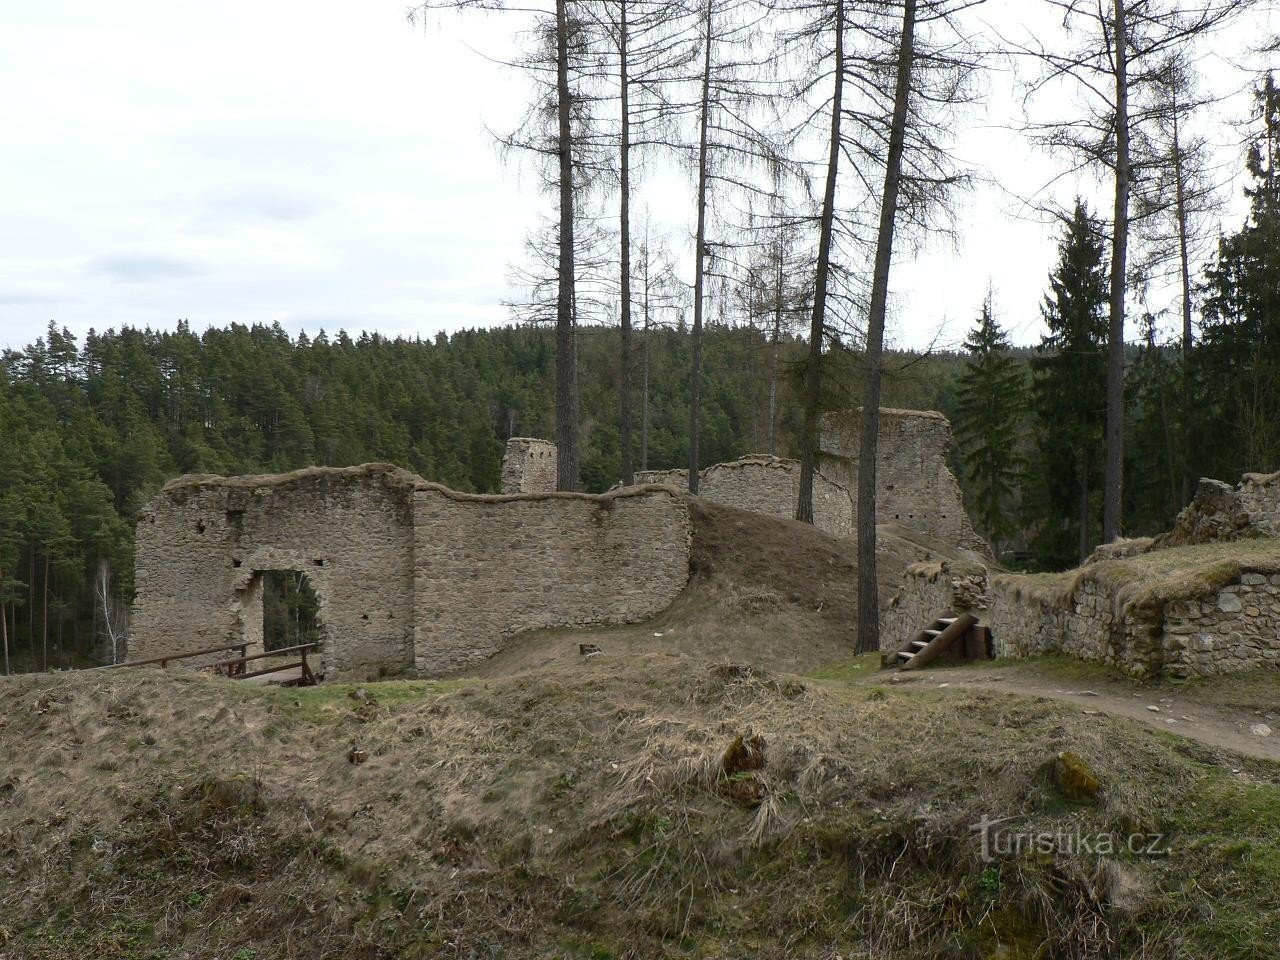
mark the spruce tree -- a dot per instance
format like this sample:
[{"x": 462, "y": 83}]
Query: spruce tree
[
  {"x": 991, "y": 397},
  {"x": 1070, "y": 395}
]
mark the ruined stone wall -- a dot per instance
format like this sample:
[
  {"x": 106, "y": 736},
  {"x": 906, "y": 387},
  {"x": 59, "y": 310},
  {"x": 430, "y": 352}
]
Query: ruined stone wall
[
  {"x": 1220, "y": 512},
  {"x": 769, "y": 485},
  {"x": 1235, "y": 627},
  {"x": 914, "y": 485},
  {"x": 410, "y": 576},
  {"x": 529, "y": 466},
  {"x": 203, "y": 542},
  {"x": 487, "y": 568}
]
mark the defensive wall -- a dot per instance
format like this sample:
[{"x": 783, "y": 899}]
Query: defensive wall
[{"x": 411, "y": 578}]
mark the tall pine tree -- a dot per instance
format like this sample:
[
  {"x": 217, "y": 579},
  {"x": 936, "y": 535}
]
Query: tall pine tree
[
  {"x": 991, "y": 397},
  {"x": 1070, "y": 395}
]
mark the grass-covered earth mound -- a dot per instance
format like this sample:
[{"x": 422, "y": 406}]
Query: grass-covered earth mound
[
  {"x": 1148, "y": 582},
  {"x": 614, "y": 807}
]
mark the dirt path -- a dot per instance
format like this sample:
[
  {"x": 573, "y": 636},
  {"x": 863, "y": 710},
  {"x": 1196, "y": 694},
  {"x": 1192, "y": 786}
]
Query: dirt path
[{"x": 1186, "y": 713}]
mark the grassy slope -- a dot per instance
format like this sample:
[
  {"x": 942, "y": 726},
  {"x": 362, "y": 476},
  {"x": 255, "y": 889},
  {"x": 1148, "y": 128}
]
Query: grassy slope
[{"x": 582, "y": 810}]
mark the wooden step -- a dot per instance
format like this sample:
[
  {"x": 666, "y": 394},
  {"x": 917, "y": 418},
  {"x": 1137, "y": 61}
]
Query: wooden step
[
  {"x": 903, "y": 655},
  {"x": 919, "y": 644},
  {"x": 946, "y": 621},
  {"x": 932, "y": 633}
]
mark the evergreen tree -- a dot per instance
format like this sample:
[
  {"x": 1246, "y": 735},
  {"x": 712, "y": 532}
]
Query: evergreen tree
[
  {"x": 1070, "y": 401},
  {"x": 1238, "y": 365},
  {"x": 990, "y": 401}
]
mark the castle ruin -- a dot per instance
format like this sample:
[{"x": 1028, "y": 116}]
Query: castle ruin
[{"x": 411, "y": 578}]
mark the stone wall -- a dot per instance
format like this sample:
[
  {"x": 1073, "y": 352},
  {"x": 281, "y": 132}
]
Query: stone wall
[
  {"x": 514, "y": 564},
  {"x": 1220, "y": 512},
  {"x": 1235, "y": 626},
  {"x": 203, "y": 542},
  {"x": 410, "y": 577},
  {"x": 529, "y": 466},
  {"x": 914, "y": 485},
  {"x": 769, "y": 485}
]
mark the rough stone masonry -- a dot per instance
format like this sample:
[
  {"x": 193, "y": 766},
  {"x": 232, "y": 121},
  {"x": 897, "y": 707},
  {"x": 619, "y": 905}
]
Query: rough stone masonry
[{"x": 411, "y": 578}]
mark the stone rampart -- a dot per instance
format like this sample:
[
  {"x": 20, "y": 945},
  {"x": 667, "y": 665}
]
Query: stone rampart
[
  {"x": 410, "y": 577},
  {"x": 512, "y": 564},
  {"x": 914, "y": 485},
  {"x": 769, "y": 485}
]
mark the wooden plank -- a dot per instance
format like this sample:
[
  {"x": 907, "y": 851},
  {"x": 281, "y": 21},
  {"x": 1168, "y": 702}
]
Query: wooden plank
[{"x": 958, "y": 628}]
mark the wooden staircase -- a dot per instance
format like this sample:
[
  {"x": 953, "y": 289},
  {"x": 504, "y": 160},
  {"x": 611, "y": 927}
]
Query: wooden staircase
[{"x": 948, "y": 633}]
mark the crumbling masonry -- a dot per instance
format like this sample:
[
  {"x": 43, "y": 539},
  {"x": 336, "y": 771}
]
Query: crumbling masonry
[{"x": 412, "y": 578}]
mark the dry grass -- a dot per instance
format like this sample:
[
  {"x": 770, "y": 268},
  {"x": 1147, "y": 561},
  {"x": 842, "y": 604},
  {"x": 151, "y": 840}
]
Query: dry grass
[
  {"x": 657, "y": 807},
  {"x": 1147, "y": 583}
]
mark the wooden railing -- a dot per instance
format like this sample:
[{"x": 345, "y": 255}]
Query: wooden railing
[{"x": 235, "y": 667}]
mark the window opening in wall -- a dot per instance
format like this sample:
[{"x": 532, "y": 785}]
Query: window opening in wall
[{"x": 290, "y": 609}]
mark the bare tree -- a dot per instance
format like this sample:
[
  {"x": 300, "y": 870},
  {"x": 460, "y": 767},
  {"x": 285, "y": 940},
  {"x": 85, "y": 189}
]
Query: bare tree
[
  {"x": 557, "y": 34},
  {"x": 1120, "y": 49},
  {"x": 868, "y": 588},
  {"x": 112, "y": 615},
  {"x": 1175, "y": 195},
  {"x": 661, "y": 295}
]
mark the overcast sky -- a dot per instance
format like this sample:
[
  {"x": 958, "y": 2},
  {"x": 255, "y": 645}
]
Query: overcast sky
[{"x": 325, "y": 165}]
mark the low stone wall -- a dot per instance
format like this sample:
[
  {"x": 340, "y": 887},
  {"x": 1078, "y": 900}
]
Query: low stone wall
[
  {"x": 1233, "y": 627},
  {"x": 410, "y": 577},
  {"x": 1236, "y": 629},
  {"x": 507, "y": 565}
]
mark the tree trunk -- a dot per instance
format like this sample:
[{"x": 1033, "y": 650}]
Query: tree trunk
[
  {"x": 44, "y": 632},
  {"x": 4, "y": 627},
  {"x": 644, "y": 390},
  {"x": 699, "y": 276},
  {"x": 1184, "y": 268},
  {"x": 868, "y": 593},
  {"x": 775, "y": 355},
  {"x": 566, "y": 354},
  {"x": 1113, "y": 486},
  {"x": 817, "y": 323},
  {"x": 1084, "y": 508},
  {"x": 624, "y": 226}
]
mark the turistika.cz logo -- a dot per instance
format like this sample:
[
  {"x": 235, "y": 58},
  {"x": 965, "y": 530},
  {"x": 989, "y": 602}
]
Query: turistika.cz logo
[{"x": 1000, "y": 841}]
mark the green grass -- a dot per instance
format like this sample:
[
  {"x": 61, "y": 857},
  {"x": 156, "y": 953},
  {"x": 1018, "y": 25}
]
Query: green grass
[
  {"x": 330, "y": 701},
  {"x": 861, "y": 667}
]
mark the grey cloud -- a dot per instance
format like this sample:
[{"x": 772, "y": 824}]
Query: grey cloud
[
  {"x": 143, "y": 268},
  {"x": 269, "y": 203}
]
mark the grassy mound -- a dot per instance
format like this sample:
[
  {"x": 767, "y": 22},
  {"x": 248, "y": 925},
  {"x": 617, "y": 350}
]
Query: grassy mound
[
  {"x": 1148, "y": 582},
  {"x": 661, "y": 807}
]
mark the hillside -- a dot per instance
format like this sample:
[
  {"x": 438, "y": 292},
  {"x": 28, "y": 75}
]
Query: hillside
[{"x": 676, "y": 807}]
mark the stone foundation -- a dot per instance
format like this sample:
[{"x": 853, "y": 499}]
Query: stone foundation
[{"x": 411, "y": 578}]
